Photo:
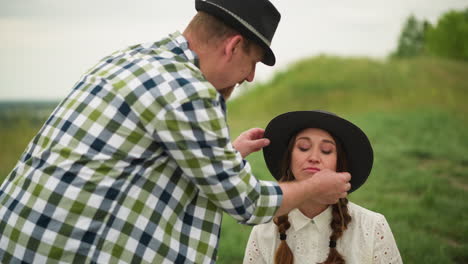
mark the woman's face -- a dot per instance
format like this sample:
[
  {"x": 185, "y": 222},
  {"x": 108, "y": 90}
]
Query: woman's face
[{"x": 314, "y": 149}]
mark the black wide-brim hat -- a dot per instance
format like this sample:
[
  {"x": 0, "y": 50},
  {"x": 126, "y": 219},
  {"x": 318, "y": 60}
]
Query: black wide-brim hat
[
  {"x": 255, "y": 19},
  {"x": 356, "y": 145}
]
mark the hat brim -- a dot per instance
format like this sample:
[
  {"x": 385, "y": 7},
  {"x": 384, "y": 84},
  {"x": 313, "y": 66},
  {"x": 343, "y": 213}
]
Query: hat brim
[
  {"x": 356, "y": 145},
  {"x": 268, "y": 58}
]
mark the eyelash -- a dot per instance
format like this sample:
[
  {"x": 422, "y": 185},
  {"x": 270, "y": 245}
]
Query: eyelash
[{"x": 324, "y": 152}]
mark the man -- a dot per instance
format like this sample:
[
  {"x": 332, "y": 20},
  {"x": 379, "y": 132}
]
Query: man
[{"x": 136, "y": 164}]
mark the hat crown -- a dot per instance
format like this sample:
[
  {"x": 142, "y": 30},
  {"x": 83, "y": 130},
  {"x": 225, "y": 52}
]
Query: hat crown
[{"x": 258, "y": 14}]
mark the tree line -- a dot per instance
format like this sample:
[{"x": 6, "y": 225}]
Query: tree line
[{"x": 447, "y": 38}]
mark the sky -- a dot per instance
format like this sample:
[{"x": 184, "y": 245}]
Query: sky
[{"x": 46, "y": 45}]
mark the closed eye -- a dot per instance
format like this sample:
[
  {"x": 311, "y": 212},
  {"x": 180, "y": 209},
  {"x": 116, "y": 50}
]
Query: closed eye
[{"x": 303, "y": 149}]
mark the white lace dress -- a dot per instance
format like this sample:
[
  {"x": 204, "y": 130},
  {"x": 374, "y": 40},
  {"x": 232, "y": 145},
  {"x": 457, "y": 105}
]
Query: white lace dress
[{"x": 368, "y": 239}]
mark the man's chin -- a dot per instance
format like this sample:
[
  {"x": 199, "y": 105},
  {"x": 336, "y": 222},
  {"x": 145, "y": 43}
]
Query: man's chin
[{"x": 226, "y": 92}]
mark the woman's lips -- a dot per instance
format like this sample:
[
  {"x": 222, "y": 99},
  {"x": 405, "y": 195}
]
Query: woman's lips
[{"x": 312, "y": 169}]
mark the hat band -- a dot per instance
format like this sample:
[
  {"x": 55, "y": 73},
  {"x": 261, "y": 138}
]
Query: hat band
[{"x": 243, "y": 22}]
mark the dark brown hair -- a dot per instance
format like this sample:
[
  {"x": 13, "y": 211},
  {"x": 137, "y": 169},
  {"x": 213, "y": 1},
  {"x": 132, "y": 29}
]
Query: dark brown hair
[{"x": 340, "y": 214}]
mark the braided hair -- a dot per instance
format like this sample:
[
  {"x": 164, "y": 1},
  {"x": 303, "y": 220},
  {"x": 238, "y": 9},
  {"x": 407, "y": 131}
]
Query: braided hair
[{"x": 340, "y": 214}]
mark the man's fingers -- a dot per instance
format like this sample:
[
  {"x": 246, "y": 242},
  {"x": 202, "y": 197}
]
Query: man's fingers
[
  {"x": 345, "y": 176},
  {"x": 348, "y": 186},
  {"x": 260, "y": 143},
  {"x": 256, "y": 133}
]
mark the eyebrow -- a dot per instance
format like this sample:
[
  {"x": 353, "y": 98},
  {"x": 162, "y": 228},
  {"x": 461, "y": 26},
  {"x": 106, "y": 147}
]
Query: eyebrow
[{"x": 323, "y": 140}]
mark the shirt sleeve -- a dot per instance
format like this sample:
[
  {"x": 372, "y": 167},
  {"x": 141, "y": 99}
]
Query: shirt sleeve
[
  {"x": 252, "y": 251},
  {"x": 385, "y": 247},
  {"x": 196, "y": 136}
]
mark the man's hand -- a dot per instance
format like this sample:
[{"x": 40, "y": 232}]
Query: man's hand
[
  {"x": 250, "y": 141},
  {"x": 323, "y": 188},
  {"x": 329, "y": 186}
]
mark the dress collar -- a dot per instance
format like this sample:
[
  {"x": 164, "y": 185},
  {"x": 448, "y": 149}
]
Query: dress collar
[{"x": 298, "y": 220}]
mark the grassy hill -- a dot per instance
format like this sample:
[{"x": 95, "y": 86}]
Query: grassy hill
[
  {"x": 19, "y": 122},
  {"x": 416, "y": 115},
  {"x": 349, "y": 86}
]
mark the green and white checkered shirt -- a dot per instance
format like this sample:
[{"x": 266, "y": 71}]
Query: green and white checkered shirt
[{"x": 135, "y": 165}]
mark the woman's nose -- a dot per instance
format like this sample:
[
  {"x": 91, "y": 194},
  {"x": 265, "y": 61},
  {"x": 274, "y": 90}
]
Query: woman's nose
[{"x": 314, "y": 156}]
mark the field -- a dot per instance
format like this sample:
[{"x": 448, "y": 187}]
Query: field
[{"x": 415, "y": 113}]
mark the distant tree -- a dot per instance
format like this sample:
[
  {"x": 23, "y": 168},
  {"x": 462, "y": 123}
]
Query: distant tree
[
  {"x": 449, "y": 38},
  {"x": 411, "y": 40}
]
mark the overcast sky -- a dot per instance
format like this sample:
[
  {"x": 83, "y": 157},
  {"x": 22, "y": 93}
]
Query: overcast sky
[{"x": 46, "y": 45}]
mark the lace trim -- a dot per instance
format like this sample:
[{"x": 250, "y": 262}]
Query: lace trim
[
  {"x": 385, "y": 248},
  {"x": 253, "y": 254}
]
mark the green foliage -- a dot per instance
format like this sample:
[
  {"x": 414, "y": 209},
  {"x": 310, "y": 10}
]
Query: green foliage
[
  {"x": 449, "y": 38},
  {"x": 411, "y": 40}
]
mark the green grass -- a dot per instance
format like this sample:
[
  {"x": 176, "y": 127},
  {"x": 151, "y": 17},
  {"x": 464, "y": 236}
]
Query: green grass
[
  {"x": 416, "y": 115},
  {"x": 19, "y": 122},
  {"x": 348, "y": 86},
  {"x": 419, "y": 182}
]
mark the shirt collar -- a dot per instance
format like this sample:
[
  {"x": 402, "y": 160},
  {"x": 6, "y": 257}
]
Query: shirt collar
[
  {"x": 298, "y": 220},
  {"x": 182, "y": 48}
]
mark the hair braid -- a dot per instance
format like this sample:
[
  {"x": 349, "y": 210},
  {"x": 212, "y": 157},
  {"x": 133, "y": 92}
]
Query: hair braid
[
  {"x": 283, "y": 253},
  {"x": 339, "y": 223}
]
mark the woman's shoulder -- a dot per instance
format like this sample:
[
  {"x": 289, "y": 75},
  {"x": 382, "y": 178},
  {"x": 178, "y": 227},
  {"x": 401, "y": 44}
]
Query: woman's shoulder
[
  {"x": 262, "y": 228},
  {"x": 264, "y": 234},
  {"x": 363, "y": 214},
  {"x": 364, "y": 227}
]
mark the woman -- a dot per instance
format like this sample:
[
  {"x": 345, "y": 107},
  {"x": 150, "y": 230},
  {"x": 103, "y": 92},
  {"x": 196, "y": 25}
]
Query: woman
[{"x": 303, "y": 143}]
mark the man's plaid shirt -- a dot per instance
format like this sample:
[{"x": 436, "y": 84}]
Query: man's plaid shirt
[{"x": 135, "y": 165}]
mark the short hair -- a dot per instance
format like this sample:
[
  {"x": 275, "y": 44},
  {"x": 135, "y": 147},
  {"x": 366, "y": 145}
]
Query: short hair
[{"x": 209, "y": 29}]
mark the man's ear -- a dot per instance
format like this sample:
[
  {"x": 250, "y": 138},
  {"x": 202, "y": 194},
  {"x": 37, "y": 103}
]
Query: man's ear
[{"x": 232, "y": 45}]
